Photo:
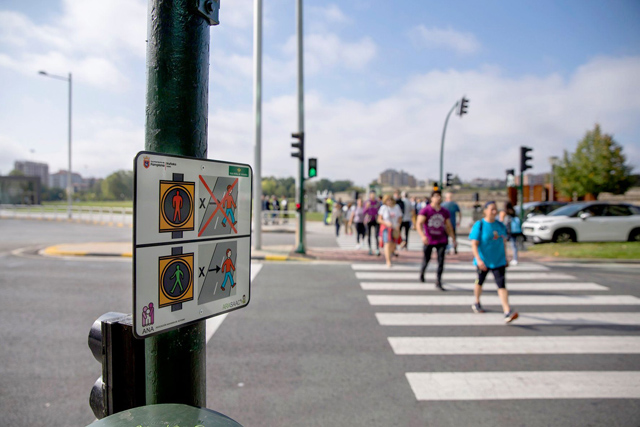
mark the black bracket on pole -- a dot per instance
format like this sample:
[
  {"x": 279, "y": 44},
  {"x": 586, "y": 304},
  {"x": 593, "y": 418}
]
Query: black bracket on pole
[{"x": 208, "y": 9}]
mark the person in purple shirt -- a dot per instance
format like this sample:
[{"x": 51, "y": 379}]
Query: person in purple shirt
[
  {"x": 434, "y": 227},
  {"x": 371, "y": 221}
]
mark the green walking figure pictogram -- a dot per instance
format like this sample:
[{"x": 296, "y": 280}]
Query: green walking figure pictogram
[{"x": 178, "y": 275}]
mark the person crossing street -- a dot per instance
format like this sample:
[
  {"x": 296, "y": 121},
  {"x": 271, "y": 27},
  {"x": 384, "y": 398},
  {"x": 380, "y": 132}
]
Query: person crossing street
[
  {"x": 489, "y": 245},
  {"x": 433, "y": 227}
]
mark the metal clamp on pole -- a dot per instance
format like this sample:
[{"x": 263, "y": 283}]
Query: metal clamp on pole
[{"x": 209, "y": 10}]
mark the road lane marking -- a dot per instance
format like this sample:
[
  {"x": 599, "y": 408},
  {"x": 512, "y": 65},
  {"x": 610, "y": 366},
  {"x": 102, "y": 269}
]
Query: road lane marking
[
  {"x": 447, "y": 267},
  {"x": 525, "y": 319},
  {"x": 493, "y": 300},
  {"x": 515, "y": 345},
  {"x": 523, "y": 286},
  {"x": 471, "y": 276},
  {"x": 525, "y": 385},
  {"x": 214, "y": 323}
]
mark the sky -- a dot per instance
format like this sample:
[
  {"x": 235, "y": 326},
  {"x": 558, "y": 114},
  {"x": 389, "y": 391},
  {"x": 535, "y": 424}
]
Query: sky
[{"x": 380, "y": 78}]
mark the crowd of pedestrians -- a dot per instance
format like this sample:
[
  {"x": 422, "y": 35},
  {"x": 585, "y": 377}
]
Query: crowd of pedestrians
[
  {"x": 385, "y": 221},
  {"x": 274, "y": 210}
]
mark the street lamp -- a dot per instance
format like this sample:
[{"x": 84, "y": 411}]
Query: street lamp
[
  {"x": 553, "y": 160},
  {"x": 69, "y": 186}
]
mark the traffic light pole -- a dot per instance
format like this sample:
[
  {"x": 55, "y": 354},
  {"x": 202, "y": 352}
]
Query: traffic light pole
[
  {"x": 176, "y": 123},
  {"x": 300, "y": 196},
  {"x": 444, "y": 131}
]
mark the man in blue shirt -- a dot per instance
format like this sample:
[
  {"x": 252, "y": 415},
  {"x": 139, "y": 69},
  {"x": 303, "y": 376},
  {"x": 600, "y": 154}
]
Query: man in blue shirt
[
  {"x": 455, "y": 212},
  {"x": 488, "y": 243}
]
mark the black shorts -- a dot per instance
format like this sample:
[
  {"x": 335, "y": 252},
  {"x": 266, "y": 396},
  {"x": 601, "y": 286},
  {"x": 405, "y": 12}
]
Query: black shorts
[{"x": 498, "y": 274}]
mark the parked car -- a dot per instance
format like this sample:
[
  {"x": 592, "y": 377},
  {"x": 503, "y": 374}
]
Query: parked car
[
  {"x": 538, "y": 208},
  {"x": 586, "y": 222}
]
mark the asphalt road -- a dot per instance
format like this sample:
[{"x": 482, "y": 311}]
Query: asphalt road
[{"x": 310, "y": 349}]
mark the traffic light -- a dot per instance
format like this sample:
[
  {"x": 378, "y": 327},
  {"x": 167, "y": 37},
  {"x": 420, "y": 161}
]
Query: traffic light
[
  {"x": 524, "y": 158},
  {"x": 299, "y": 145},
  {"x": 122, "y": 384},
  {"x": 464, "y": 106},
  {"x": 449, "y": 180},
  {"x": 298, "y": 207},
  {"x": 313, "y": 167},
  {"x": 435, "y": 187}
]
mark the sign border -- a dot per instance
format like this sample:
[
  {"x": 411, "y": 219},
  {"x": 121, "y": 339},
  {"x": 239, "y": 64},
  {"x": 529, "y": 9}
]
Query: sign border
[{"x": 180, "y": 241}]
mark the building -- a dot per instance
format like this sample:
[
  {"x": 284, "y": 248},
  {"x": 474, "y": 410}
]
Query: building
[
  {"x": 59, "y": 180},
  {"x": 41, "y": 170},
  {"x": 393, "y": 178}
]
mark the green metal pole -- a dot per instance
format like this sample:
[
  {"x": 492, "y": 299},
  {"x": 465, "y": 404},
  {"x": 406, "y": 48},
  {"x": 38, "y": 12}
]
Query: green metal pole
[
  {"x": 521, "y": 196},
  {"x": 176, "y": 114},
  {"x": 299, "y": 30},
  {"x": 444, "y": 131}
]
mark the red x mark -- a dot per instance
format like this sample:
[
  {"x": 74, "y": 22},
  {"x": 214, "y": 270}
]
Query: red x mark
[{"x": 218, "y": 206}]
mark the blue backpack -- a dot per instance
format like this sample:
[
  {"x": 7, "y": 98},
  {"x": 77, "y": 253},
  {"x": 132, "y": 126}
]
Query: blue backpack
[{"x": 516, "y": 225}]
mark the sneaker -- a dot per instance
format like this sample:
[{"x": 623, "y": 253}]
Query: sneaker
[
  {"x": 439, "y": 286},
  {"x": 422, "y": 278},
  {"x": 514, "y": 262},
  {"x": 370, "y": 252},
  {"x": 377, "y": 252},
  {"x": 477, "y": 308},
  {"x": 510, "y": 316},
  {"x": 358, "y": 246}
]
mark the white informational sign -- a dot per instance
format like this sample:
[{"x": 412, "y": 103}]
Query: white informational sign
[{"x": 191, "y": 240}]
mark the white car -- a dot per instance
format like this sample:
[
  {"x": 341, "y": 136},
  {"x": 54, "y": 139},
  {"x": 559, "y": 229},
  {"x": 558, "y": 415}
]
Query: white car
[{"x": 586, "y": 222}]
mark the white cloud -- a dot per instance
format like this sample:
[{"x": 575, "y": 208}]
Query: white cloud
[
  {"x": 438, "y": 38},
  {"x": 328, "y": 51},
  {"x": 357, "y": 140},
  {"x": 92, "y": 38}
]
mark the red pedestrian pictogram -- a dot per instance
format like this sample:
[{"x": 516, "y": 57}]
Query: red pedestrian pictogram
[{"x": 176, "y": 202}]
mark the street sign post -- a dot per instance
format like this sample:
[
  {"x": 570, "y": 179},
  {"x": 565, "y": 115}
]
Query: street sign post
[{"x": 192, "y": 240}]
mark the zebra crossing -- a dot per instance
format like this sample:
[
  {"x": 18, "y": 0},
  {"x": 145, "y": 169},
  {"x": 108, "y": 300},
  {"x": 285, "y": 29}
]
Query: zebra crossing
[
  {"x": 349, "y": 242},
  {"x": 553, "y": 299}
]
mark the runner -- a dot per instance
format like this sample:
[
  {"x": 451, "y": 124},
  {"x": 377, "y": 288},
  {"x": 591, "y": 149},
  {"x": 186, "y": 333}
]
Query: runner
[
  {"x": 433, "y": 227},
  {"x": 357, "y": 218},
  {"x": 389, "y": 218},
  {"x": 489, "y": 245},
  {"x": 371, "y": 221},
  {"x": 454, "y": 211}
]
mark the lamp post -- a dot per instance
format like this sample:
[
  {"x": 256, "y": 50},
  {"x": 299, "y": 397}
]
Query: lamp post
[
  {"x": 69, "y": 185},
  {"x": 553, "y": 160}
]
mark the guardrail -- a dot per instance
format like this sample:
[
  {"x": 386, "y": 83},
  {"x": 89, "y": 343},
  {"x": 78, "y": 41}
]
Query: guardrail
[{"x": 88, "y": 214}]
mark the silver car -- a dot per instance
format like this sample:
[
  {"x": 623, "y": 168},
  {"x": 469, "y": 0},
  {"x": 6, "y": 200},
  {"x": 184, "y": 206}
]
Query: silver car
[{"x": 586, "y": 222}]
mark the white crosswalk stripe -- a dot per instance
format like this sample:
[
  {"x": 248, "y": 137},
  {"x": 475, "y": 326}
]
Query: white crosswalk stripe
[
  {"x": 493, "y": 300},
  {"x": 388, "y": 288},
  {"x": 525, "y": 385},
  {"x": 515, "y": 345},
  {"x": 447, "y": 268},
  {"x": 456, "y": 276},
  {"x": 525, "y": 319},
  {"x": 526, "y": 286}
]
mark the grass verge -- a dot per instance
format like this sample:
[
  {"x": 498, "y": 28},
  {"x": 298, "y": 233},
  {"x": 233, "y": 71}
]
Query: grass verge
[{"x": 608, "y": 250}]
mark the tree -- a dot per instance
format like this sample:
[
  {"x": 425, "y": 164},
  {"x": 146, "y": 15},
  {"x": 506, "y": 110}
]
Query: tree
[
  {"x": 597, "y": 166},
  {"x": 118, "y": 186}
]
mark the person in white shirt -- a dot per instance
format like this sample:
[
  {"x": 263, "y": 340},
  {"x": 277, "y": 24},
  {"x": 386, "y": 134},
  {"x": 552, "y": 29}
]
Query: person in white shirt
[{"x": 389, "y": 218}]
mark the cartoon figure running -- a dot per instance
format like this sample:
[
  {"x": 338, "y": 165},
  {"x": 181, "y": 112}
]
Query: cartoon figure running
[
  {"x": 228, "y": 204},
  {"x": 176, "y": 202},
  {"x": 227, "y": 267},
  {"x": 178, "y": 276}
]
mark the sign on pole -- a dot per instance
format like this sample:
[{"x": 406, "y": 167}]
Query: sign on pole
[{"x": 191, "y": 240}]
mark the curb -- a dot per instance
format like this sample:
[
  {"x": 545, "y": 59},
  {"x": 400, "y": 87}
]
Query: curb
[{"x": 56, "y": 251}]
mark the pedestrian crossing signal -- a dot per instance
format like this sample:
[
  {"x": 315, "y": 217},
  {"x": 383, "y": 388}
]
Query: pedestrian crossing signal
[
  {"x": 176, "y": 206},
  {"x": 313, "y": 168},
  {"x": 175, "y": 279}
]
